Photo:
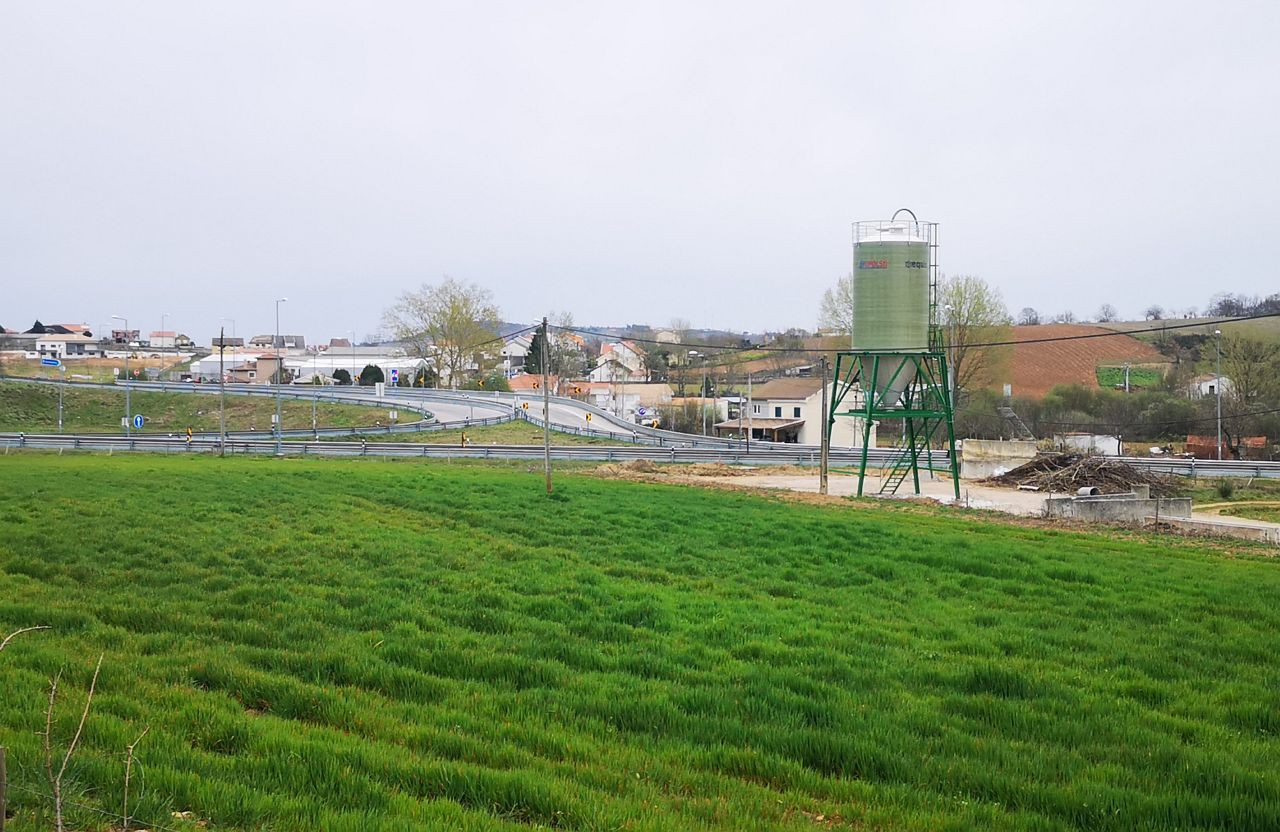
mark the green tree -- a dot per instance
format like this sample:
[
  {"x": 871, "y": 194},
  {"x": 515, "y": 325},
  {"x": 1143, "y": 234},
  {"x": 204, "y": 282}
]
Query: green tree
[
  {"x": 537, "y": 348},
  {"x": 371, "y": 375},
  {"x": 341, "y": 376}
]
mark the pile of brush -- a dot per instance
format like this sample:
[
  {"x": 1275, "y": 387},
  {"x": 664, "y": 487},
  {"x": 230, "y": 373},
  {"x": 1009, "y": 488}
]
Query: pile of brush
[{"x": 1069, "y": 472}]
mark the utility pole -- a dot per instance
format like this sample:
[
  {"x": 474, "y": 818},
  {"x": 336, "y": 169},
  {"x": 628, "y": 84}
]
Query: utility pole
[
  {"x": 61, "y": 387},
  {"x": 1126, "y": 376},
  {"x": 222, "y": 393},
  {"x": 1217, "y": 386},
  {"x": 279, "y": 345},
  {"x": 128, "y": 415},
  {"x": 825, "y": 453},
  {"x": 546, "y": 408}
]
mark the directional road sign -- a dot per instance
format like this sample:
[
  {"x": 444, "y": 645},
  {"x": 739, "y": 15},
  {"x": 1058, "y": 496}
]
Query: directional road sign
[
  {"x": 138, "y": 421},
  {"x": 50, "y": 362},
  {"x": 395, "y": 376}
]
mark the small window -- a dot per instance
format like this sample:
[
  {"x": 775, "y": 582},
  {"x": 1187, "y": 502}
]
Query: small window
[
  {"x": 795, "y": 411},
  {"x": 777, "y": 412},
  {"x": 755, "y": 408},
  {"x": 252, "y": 374}
]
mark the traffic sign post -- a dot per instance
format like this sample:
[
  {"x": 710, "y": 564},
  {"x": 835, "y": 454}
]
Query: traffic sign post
[
  {"x": 395, "y": 377},
  {"x": 138, "y": 421},
  {"x": 50, "y": 362}
]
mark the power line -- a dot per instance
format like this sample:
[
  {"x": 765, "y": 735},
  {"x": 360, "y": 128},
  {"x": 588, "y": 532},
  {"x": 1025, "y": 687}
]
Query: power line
[{"x": 1163, "y": 327}]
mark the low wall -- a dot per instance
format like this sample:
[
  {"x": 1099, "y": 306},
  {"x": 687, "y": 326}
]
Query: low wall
[
  {"x": 1117, "y": 508},
  {"x": 1265, "y": 534},
  {"x": 982, "y": 458}
]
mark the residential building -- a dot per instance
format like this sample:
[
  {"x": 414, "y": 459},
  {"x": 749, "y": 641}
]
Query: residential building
[
  {"x": 790, "y": 410},
  {"x": 280, "y": 342},
  {"x": 167, "y": 339},
  {"x": 620, "y": 361},
  {"x": 515, "y": 349},
  {"x": 67, "y": 346}
]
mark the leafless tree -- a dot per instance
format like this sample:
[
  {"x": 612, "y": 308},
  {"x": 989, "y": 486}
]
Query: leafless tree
[
  {"x": 450, "y": 323},
  {"x": 973, "y": 316},
  {"x": 835, "y": 314},
  {"x": 1028, "y": 317},
  {"x": 1107, "y": 313}
]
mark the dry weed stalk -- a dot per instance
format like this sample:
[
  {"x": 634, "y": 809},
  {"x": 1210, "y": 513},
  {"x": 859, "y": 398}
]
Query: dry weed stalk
[
  {"x": 16, "y": 633},
  {"x": 128, "y": 769},
  {"x": 55, "y": 780}
]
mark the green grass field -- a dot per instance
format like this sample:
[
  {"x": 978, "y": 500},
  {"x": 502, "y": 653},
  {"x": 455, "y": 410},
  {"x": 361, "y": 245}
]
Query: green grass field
[
  {"x": 363, "y": 645},
  {"x": 34, "y": 408},
  {"x": 1140, "y": 377}
]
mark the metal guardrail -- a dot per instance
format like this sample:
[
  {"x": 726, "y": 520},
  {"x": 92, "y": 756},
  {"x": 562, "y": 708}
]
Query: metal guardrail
[
  {"x": 789, "y": 455},
  {"x": 649, "y": 443}
]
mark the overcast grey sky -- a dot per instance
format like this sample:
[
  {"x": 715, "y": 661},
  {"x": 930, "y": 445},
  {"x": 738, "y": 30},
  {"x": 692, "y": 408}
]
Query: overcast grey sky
[{"x": 626, "y": 162}]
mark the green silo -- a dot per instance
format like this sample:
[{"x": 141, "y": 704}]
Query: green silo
[{"x": 891, "y": 277}]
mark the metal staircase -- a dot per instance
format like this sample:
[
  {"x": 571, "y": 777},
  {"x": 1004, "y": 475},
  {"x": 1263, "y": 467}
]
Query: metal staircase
[
  {"x": 1017, "y": 428},
  {"x": 913, "y": 446}
]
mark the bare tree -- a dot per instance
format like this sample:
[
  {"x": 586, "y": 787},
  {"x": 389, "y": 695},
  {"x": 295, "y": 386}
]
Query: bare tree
[
  {"x": 678, "y": 358},
  {"x": 1154, "y": 312},
  {"x": 974, "y": 316},
  {"x": 1028, "y": 317},
  {"x": 835, "y": 314},
  {"x": 450, "y": 323},
  {"x": 1067, "y": 317},
  {"x": 1107, "y": 313}
]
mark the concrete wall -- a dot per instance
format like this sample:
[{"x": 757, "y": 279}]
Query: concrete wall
[
  {"x": 982, "y": 458},
  {"x": 1117, "y": 508}
]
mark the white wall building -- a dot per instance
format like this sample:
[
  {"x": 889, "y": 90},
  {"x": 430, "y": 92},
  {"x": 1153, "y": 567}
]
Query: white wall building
[
  {"x": 620, "y": 362},
  {"x": 790, "y": 410}
]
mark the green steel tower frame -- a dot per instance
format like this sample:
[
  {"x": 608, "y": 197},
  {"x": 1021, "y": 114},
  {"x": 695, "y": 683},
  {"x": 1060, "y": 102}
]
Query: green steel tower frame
[{"x": 924, "y": 406}]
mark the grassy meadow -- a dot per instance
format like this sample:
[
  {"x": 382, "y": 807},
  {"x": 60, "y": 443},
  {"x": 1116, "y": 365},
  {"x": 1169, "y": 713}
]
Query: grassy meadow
[
  {"x": 34, "y": 408},
  {"x": 366, "y": 645}
]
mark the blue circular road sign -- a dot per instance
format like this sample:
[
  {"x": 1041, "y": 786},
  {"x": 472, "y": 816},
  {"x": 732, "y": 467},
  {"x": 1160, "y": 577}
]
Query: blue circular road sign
[{"x": 138, "y": 421}]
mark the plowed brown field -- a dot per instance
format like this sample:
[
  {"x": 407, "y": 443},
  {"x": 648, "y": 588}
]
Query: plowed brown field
[{"x": 1036, "y": 367}]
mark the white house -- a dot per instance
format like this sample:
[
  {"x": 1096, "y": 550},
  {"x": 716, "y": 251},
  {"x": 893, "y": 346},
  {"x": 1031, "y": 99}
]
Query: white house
[
  {"x": 790, "y": 410},
  {"x": 515, "y": 348},
  {"x": 620, "y": 362},
  {"x": 67, "y": 346},
  {"x": 1207, "y": 385}
]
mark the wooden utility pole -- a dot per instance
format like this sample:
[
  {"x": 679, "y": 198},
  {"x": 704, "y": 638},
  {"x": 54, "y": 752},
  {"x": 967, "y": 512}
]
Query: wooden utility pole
[
  {"x": 826, "y": 434},
  {"x": 222, "y": 395},
  {"x": 546, "y": 407}
]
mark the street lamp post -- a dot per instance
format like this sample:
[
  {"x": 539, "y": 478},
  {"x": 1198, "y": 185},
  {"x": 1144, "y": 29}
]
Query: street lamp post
[
  {"x": 127, "y": 415},
  {"x": 163, "y": 315},
  {"x": 279, "y": 345},
  {"x": 1217, "y": 385}
]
